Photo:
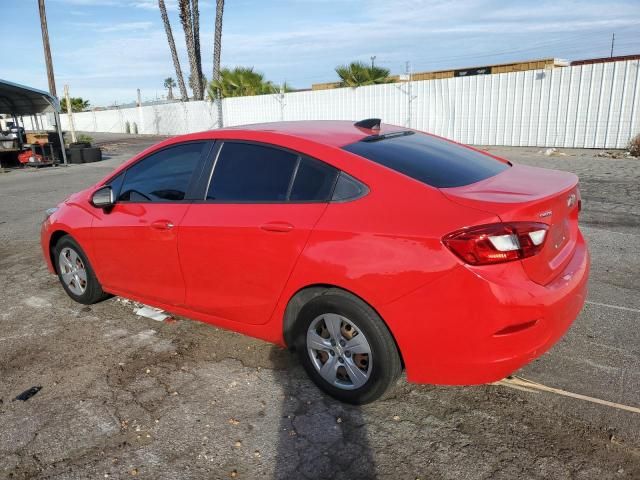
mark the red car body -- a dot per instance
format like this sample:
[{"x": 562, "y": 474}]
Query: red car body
[{"x": 237, "y": 265}]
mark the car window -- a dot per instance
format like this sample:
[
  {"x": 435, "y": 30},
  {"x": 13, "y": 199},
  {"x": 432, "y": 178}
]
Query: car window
[
  {"x": 116, "y": 183},
  {"x": 348, "y": 188},
  {"x": 314, "y": 181},
  {"x": 246, "y": 172},
  {"x": 163, "y": 176},
  {"x": 431, "y": 160}
]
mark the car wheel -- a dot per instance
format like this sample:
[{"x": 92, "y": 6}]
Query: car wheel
[
  {"x": 346, "y": 348},
  {"x": 75, "y": 272}
]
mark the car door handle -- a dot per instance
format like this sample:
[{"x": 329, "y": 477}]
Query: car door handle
[
  {"x": 162, "y": 225},
  {"x": 281, "y": 227}
]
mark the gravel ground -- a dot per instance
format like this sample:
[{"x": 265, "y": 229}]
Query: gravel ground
[{"x": 129, "y": 397}]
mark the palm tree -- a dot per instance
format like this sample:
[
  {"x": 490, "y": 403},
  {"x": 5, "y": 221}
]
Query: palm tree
[
  {"x": 240, "y": 82},
  {"x": 186, "y": 17},
  {"x": 78, "y": 104},
  {"x": 358, "y": 74},
  {"x": 174, "y": 52},
  {"x": 169, "y": 84},
  {"x": 217, "y": 52}
]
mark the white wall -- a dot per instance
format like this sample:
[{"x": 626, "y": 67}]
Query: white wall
[{"x": 588, "y": 106}]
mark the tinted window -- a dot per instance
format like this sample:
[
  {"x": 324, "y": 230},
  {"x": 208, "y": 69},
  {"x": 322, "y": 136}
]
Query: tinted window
[
  {"x": 314, "y": 181},
  {"x": 115, "y": 184},
  {"x": 163, "y": 176},
  {"x": 247, "y": 172},
  {"x": 348, "y": 188},
  {"x": 431, "y": 160}
]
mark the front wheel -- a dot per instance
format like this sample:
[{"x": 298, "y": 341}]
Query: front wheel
[
  {"x": 346, "y": 348},
  {"x": 75, "y": 272}
]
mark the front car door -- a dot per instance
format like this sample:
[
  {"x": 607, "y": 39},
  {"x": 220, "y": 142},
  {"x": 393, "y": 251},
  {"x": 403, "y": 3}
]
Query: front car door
[
  {"x": 239, "y": 245},
  {"x": 135, "y": 242}
]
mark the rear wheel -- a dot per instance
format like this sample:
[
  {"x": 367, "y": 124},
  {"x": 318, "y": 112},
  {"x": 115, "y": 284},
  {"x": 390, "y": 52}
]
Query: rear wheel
[
  {"x": 346, "y": 348},
  {"x": 75, "y": 272}
]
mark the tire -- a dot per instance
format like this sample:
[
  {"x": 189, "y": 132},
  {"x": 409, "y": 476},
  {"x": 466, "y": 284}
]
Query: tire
[
  {"x": 347, "y": 317},
  {"x": 75, "y": 273}
]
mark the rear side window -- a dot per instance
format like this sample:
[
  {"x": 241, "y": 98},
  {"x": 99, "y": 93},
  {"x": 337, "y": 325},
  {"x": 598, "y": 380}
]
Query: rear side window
[
  {"x": 430, "y": 160},
  {"x": 247, "y": 172},
  {"x": 314, "y": 181},
  {"x": 163, "y": 176}
]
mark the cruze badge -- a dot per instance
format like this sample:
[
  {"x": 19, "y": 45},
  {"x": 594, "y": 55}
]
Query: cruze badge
[
  {"x": 546, "y": 214},
  {"x": 571, "y": 200}
]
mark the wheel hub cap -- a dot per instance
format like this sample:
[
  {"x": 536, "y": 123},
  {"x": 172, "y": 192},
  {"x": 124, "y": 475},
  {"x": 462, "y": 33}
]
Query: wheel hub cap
[
  {"x": 72, "y": 271},
  {"x": 339, "y": 351}
]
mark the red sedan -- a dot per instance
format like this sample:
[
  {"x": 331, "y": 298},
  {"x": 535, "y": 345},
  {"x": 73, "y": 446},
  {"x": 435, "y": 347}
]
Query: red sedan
[{"x": 367, "y": 248}]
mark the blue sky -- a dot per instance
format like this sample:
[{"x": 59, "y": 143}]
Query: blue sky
[{"x": 105, "y": 49}]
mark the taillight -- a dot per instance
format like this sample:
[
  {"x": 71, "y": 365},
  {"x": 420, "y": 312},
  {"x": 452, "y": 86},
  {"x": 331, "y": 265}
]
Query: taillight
[{"x": 497, "y": 242}]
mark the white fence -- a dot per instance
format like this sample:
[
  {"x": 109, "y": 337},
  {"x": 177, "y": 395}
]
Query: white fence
[{"x": 588, "y": 106}]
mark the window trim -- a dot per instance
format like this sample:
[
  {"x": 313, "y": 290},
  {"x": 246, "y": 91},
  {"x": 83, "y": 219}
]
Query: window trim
[
  {"x": 193, "y": 183},
  {"x": 300, "y": 158}
]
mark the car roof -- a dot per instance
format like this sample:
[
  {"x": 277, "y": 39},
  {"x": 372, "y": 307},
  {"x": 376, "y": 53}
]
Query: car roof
[{"x": 337, "y": 133}]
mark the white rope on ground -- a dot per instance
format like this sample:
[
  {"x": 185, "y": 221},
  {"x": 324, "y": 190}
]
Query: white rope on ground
[
  {"x": 616, "y": 307},
  {"x": 520, "y": 383}
]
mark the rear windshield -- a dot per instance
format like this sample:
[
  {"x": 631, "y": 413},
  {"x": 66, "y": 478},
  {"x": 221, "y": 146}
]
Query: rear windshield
[{"x": 429, "y": 159}]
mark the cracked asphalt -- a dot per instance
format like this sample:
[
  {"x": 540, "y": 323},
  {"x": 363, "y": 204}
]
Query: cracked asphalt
[{"x": 128, "y": 397}]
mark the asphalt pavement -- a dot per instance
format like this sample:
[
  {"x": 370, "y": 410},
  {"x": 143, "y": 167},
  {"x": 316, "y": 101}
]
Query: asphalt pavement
[{"x": 124, "y": 396}]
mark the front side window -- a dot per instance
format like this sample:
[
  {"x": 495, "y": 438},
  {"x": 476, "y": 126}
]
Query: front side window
[{"x": 163, "y": 176}]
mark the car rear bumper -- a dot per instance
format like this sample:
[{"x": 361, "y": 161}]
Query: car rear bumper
[{"x": 478, "y": 325}]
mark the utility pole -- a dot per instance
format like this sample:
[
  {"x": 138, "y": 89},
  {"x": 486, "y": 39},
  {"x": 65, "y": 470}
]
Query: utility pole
[
  {"x": 613, "y": 41},
  {"x": 373, "y": 59},
  {"x": 70, "y": 114},
  {"x": 409, "y": 93},
  {"x": 281, "y": 100},
  {"x": 47, "y": 48}
]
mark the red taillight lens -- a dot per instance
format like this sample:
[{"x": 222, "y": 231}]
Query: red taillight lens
[{"x": 498, "y": 242}]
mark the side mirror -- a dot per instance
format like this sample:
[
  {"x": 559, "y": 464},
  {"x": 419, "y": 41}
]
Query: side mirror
[{"x": 103, "y": 198}]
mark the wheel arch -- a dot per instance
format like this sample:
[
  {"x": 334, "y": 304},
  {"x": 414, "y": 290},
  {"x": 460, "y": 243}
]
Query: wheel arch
[
  {"x": 53, "y": 240},
  {"x": 308, "y": 293}
]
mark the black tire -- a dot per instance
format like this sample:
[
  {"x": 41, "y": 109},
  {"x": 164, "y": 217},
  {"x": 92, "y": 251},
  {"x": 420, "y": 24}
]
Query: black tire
[
  {"x": 386, "y": 365},
  {"x": 93, "y": 292}
]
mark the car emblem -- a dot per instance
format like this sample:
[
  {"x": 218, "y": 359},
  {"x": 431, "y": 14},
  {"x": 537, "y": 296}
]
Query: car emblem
[
  {"x": 571, "y": 200},
  {"x": 545, "y": 214}
]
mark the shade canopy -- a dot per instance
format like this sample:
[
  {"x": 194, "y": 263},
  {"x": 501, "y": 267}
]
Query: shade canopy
[{"x": 20, "y": 100}]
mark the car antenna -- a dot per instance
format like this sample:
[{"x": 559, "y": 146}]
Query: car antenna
[{"x": 369, "y": 123}]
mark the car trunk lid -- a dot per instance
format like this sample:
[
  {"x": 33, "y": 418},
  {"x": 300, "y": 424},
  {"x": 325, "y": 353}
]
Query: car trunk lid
[{"x": 523, "y": 193}]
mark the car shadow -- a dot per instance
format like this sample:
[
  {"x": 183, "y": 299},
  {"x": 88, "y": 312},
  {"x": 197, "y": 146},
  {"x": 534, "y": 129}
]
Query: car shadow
[{"x": 318, "y": 437}]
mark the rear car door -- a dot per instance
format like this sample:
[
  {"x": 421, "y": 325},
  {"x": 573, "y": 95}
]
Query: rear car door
[
  {"x": 136, "y": 241},
  {"x": 239, "y": 244}
]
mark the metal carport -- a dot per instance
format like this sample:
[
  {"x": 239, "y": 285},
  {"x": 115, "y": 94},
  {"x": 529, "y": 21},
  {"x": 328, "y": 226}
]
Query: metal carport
[{"x": 18, "y": 100}]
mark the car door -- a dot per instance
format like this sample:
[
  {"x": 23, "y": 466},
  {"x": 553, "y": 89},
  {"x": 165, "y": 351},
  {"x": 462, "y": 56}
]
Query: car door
[
  {"x": 239, "y": 245},
  {"x": 135, "y": 242}
]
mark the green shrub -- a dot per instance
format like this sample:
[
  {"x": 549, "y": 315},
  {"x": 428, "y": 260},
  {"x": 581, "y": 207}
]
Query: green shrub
[{"x": 634, "y": 146}]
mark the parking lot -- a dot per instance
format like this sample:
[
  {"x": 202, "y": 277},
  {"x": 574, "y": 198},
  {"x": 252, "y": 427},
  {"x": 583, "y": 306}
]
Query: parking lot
[{"x": 125, "y": 396}]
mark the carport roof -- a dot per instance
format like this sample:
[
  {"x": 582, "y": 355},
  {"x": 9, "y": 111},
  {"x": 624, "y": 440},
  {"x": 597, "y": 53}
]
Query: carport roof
[{"x": 20, "y": 100}]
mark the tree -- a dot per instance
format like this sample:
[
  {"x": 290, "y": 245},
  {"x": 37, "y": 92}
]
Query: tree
[
  {"x": 174, "y": 52},
  {"x": 169, "y": 84},
  {"x": 78, "y": 104},
  {"x": 188, "y": 20},
  {"x": 217, "y": 52},
  {"x": 192, "y": 85},
  {"x": 358, "y": 74},
  {"x": 240, "y": 82}
]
